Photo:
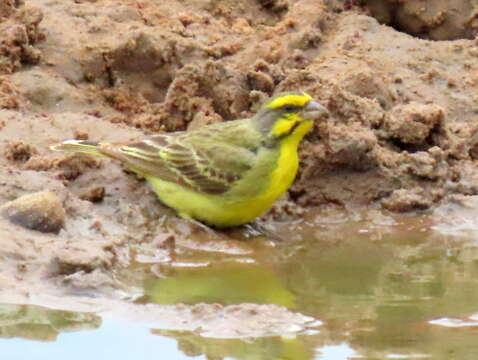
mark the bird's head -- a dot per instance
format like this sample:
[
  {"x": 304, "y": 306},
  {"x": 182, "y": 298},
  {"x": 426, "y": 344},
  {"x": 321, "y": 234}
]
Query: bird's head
[{"x": 288, "y": 114}]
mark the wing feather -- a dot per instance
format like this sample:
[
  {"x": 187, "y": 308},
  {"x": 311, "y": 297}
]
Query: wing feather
[{"x": 193, "y": 162}]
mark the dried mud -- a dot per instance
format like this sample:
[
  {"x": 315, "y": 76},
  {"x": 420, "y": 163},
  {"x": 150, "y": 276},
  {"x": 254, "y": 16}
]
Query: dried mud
[{"x": 402, "y": 135}]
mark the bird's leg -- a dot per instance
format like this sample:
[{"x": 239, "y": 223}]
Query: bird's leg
[
  {"x": 256, "y": 228},
  {"x": 202, "y": 226}
]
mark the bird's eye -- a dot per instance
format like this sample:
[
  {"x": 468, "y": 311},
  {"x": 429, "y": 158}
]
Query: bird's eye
[{"x": 288, "y": 108}]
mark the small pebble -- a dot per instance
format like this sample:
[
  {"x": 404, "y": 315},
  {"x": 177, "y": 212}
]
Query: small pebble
[{"x": 41, "y": 211}]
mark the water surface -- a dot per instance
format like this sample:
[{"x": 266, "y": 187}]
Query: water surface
[{"x": 396, "y": 289}]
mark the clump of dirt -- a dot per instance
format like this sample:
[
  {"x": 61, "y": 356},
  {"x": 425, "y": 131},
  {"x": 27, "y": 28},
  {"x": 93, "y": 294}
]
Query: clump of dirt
[
  {"x": 10, "y": 97},
  {"x": 431, "y": 19},
  {"x": 19, "y": 27},
  {"x": 413, "y": 123},
  {"x": 19, "y": 151},
  {"x": 95, "y": 194},
  {"x": 66, "y": 167}
]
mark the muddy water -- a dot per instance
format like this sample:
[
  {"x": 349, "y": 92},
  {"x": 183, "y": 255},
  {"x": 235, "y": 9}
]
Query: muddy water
[{"x": 402, "y": 288}]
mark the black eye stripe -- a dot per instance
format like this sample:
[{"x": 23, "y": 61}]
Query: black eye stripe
[{"x": 290, "y": 108}]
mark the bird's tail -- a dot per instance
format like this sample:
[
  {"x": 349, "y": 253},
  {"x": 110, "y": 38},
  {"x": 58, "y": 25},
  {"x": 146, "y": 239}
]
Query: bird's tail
[{"x": 82, "y": 146}]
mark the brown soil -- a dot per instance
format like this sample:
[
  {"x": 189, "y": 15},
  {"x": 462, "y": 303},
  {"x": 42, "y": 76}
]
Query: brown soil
[
  {"x": 402, "y": 135},
  {"x": 430, "y": 19}
]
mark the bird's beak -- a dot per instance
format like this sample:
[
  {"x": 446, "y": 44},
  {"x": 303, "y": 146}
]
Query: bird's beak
[{"x": 313, "y": 111}]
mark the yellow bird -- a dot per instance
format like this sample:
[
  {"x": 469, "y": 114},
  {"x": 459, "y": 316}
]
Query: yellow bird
[{"x": 224, "y": 174}]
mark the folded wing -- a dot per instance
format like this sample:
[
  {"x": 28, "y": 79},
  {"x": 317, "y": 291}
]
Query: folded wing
[{"x": 201, "y": 162}]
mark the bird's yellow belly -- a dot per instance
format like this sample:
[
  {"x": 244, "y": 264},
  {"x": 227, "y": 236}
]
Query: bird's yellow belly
[
  {"x": 211, "y": 209},
  {"x": 231, "y": 209}
]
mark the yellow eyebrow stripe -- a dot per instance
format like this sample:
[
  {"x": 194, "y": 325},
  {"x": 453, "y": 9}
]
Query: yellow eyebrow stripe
[{"x": 292, "y": 99}]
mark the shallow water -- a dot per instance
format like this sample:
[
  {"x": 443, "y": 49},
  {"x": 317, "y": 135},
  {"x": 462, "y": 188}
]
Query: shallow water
[
  {"x": 393, "y": 288},
  {"x": 32, "y": 332}
]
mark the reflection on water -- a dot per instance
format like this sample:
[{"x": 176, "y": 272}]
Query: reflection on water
[
  {"x": 113, "y": 340},
  {"x": 395, "y": 290},
  {"x": 37, "y": 323},
  {"x": 224, "y": 282},
  {"x": 375, "y": 289},
  {"x": 251, "y": 349}
]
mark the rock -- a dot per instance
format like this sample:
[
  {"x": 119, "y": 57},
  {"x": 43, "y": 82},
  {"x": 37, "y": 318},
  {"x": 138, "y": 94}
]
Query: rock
[{"x": 41, "y": 211}]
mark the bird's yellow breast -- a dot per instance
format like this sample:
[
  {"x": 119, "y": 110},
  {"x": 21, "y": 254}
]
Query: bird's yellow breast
[{"x": 287, "y": 164}]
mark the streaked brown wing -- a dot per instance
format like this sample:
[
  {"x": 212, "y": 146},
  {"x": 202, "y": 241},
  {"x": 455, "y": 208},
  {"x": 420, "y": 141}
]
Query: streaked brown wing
[{"x": 168, "y": 158}]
